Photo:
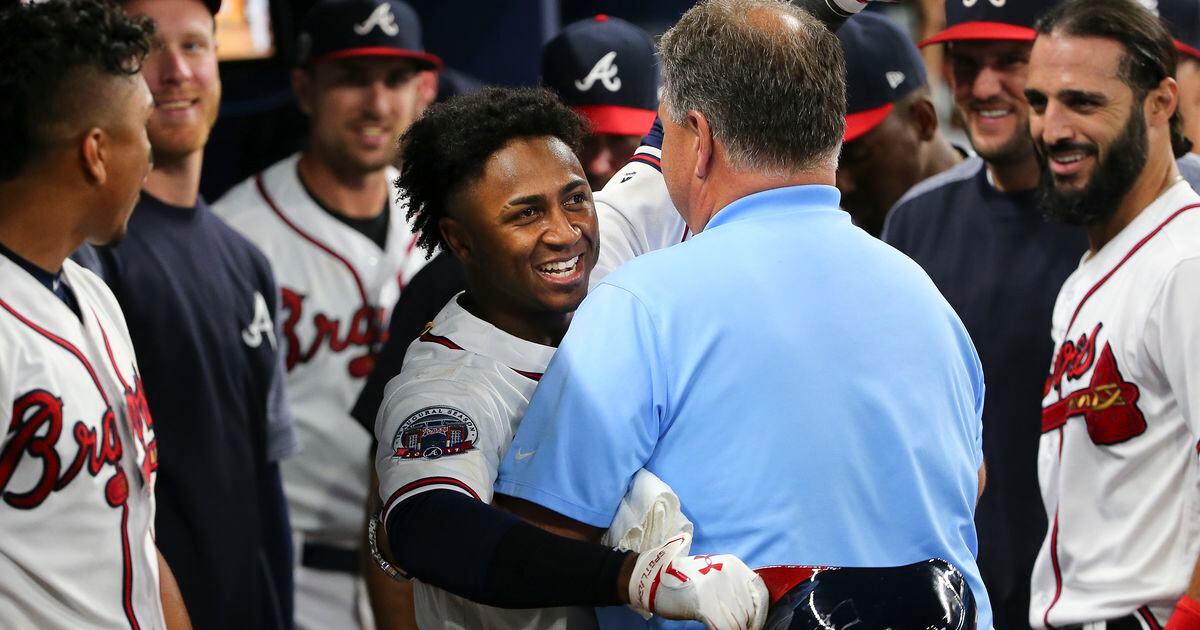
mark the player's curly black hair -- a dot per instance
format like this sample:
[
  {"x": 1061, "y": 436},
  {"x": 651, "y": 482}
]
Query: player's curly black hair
[
  {"x": 40, "y": 45},
  {"x": 448, "y": 146}
]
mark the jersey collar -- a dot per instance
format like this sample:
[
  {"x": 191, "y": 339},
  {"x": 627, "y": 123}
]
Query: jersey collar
[
  {"x": 458, "y": 326},
  {"x": 778, "y": 201}
]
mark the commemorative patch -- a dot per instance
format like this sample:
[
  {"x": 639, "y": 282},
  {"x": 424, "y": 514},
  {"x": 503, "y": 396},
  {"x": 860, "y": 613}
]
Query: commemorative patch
[{"x": 434, "y": 432}]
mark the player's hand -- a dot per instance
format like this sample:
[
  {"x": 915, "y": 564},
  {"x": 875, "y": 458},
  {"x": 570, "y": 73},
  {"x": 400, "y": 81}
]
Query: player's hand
[{"x": 720, "y": 591}]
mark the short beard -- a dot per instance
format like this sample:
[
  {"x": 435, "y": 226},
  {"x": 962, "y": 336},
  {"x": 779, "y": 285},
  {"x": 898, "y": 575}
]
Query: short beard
[
  {"x": 1015, "y": 150},
  {"x": 1112, "y": 179}
]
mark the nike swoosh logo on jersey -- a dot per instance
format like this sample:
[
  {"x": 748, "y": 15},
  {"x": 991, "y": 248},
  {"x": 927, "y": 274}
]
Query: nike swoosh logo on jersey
[{"x": 522, "y": 455}]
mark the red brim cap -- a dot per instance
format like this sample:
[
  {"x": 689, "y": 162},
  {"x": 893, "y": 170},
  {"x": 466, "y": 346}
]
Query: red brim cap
[
  {"x": 982, "y": 31},
  {"x": 618, "y": 120},
  {"x": 432, "y": 61},
  {"x": 860, "y": 123},
  {"x": 1190, "y": 51}
]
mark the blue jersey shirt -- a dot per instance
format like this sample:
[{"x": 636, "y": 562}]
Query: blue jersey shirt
[{"x": 802, "y": 387}]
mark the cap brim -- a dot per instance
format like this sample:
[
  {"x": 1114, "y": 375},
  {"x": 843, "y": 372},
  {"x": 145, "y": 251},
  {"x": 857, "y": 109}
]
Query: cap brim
[
  {"x": 431, "y": 62},
  {"x": 617, "y": 120},
  {"x": 968, "y": 31},
  {"x": 860, "y": 123},
  {"x": 1190, "y": 51}
]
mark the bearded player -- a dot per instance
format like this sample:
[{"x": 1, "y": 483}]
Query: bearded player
[
  {"x": 493, "y": 178},
  {"x": 342, "y": 251},
  {"x": 78, "y": 460},
  {"x": 1118, "y": 462}
]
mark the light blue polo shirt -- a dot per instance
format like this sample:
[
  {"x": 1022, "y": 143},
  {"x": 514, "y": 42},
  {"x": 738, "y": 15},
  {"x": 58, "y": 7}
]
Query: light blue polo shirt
[{"x": 802, "y": 386}]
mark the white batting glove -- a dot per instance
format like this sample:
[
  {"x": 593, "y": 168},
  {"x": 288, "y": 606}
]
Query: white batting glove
[{"x": 720, "y": 591}]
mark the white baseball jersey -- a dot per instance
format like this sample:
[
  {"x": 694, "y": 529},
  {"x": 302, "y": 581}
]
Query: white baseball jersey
[
  {"x": 635, "y": 214},
  {"x": 1118, "y": 463},
  {"x": 78, "y": 461},
  {"x": 338, "y": 288},
  {"x": 446, "y": 422}
]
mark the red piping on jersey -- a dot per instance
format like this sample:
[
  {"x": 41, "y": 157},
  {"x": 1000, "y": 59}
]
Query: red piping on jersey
[
  {"x": 1062, "y": 436},
  {"x": 683, "y": 237},
  {"x": 62, "y": 343},
  {"x": 127, "y": 578},
  {"x": 108, "y": 348},
  {"x": 648, "y": 160},
  {"x": 1132, "y": 251},
  {"x": 445, "y": 341},
  {"x": 1058, "y": 585},
  {"x": 529, "y": 375},
  {"x": 262, "y": 190},
  {"x": 126, "y": 556},
  {"x": 1148, "y": 616},
  {"x": 438, "y": 339},
  {"x": 427, "y": 481}
]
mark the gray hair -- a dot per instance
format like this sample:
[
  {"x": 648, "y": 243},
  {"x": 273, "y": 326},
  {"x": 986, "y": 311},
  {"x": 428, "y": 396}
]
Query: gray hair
[{"x": 769, "y": 77}]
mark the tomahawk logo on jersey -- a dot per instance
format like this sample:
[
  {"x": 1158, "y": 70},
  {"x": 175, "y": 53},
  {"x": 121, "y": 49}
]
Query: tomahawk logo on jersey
[
  {"x": 337, "y": 287},
  {"x": 1118, "y": 462},
  {"x": 77, "y": 464}
]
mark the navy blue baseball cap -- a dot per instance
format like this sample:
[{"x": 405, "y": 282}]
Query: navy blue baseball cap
[
  {"x": 338, "y": 29},
  {"x": 1182, "y": 18},
  {"x": 1010, "y": 20},
  {"x": 882, "y": 67},
  {"x": 604, "y": 68}
]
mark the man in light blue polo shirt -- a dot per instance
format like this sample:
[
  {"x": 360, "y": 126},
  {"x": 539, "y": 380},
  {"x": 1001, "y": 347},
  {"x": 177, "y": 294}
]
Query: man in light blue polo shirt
[{"x": 802, "y": 387}]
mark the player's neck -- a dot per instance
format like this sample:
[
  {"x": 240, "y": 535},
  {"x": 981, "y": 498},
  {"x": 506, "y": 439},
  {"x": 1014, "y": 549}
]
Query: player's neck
[
  {"x": 177, "y": 181},
  {"x": 725, "y": 186},
  {"x": 546, "y": 329},
  {"x": 25, "y": 217},
  {"x": 1014, "y": 177},
  {"x": 942, "y": 156},
  {"x": 356, "y": 195},
  {"x": 1157, "y": 176}
]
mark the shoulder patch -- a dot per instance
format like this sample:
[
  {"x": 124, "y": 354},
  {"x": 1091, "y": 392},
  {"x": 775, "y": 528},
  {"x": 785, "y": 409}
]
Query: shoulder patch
[{"x": 434, "y": 432}]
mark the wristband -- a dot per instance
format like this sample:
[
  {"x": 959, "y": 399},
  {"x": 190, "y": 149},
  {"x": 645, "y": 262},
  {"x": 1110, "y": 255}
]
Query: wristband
[{"x": 1186, "y": 615}]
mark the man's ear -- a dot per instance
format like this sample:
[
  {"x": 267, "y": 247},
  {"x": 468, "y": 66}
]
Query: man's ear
[
  {"x": 94, "y": 155},
  {"x": 697, "y": 123},
  {"x": 923, "y": 117},
  {"x": 302, "y": 85},
  {"x": 1162, "y": 102},
  {"x": 427, "y": 89},
  {"x": 457, "y": 238}
]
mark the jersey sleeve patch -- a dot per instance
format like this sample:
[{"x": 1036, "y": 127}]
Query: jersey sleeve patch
[{"x": 434, "y": 432}]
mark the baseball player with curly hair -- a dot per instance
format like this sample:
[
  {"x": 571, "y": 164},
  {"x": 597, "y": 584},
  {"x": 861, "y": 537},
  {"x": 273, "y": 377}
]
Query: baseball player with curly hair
[
  {"x": 493, "y": 178},
  {"x": 78, "y": 459}
]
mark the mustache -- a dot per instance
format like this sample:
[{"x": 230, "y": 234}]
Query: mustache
[{"x": 1065, "y": 146}]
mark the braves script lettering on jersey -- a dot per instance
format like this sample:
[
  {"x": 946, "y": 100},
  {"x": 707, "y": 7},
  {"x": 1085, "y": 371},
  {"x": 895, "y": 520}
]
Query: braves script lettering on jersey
[
  {"x": 1118, "y": 463},
  {"x": 445, "y": 423},
  {"x": 337, "y": 289},
  {"x": 78, "y": 462}
]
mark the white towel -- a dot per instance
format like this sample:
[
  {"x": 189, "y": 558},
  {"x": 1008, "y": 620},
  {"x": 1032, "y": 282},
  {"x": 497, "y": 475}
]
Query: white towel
[{"x": 648, "y": 516}]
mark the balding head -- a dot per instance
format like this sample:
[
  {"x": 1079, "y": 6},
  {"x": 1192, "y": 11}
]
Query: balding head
[{"x": 768, "y": 77}]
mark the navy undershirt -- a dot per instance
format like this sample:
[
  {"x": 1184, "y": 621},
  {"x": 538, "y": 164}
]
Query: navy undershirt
[
  {"x": 52, "y": 281},
  {"x": 374, "y": 228}
]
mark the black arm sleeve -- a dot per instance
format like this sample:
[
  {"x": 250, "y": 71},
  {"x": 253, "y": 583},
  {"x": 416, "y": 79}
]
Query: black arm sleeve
[{"x": 473, "y": 550}]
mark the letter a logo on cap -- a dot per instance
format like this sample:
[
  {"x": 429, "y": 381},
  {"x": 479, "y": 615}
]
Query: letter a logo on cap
[
  {"x": 605, "y": 71},
  {"x": 894, "y": 78},
  {"x": 996, "y": 3},
  {"x": 382, "y": 17}
]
